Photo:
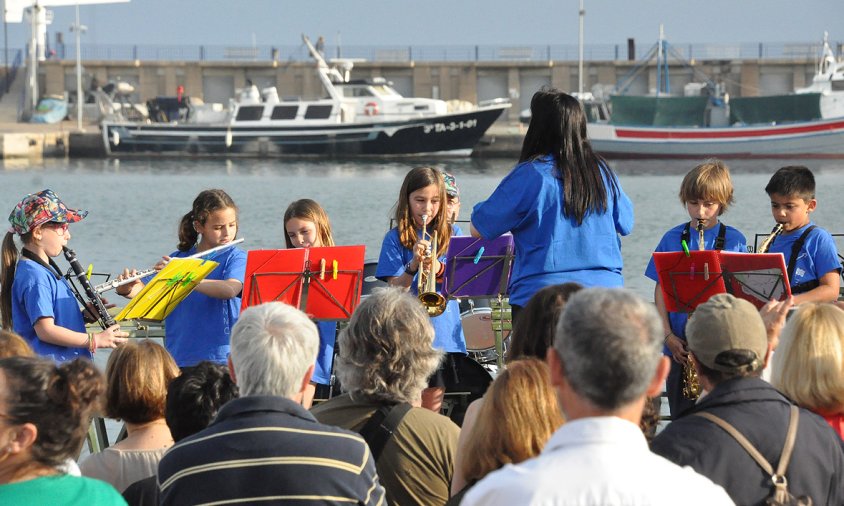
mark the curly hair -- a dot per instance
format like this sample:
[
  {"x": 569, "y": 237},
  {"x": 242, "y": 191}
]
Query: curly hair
[
  {"x": 58, "y": 400},
  {"x": 386, "y": 352}
]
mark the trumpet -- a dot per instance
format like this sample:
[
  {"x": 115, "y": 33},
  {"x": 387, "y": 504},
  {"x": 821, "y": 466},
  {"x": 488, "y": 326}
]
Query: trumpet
[
  {"x": 766, "y": 244},
  {"x": 114, "y": 283},
  {"x": 427, "y": 280}
]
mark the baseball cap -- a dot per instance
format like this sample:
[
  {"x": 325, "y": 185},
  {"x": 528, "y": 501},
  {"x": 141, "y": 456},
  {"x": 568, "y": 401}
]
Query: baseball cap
[
  {"x": 725, "y": 324},
  {"x": 39, "y": 208},
  {"x": 451, "y": 185}
]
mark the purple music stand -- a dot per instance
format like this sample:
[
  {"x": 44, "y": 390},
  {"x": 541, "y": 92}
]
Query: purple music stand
[{"x": 478, "y": 267}]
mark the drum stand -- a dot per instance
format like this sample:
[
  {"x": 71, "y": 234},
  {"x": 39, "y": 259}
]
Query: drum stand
[{"x": 501, "y": 321}]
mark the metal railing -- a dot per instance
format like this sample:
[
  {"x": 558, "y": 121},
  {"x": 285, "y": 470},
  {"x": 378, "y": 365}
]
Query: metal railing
[
  {"x": 449, "y": 53},
  {"x": 11, "y": 73}
]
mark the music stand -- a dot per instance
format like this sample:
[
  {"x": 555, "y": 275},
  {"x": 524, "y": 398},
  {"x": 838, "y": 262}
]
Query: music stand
[
  {"x": 323, "y": 282},
  {"x": 688, "y": 280},
  {"x": 478, "y": 267},
  {"x": 167, "y": 289}
]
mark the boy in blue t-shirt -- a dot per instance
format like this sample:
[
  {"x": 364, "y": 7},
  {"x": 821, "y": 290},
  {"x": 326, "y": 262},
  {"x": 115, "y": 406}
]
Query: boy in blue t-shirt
[
  {"x": 707, "y": 192},
  {"x": 809, "y": 251}
]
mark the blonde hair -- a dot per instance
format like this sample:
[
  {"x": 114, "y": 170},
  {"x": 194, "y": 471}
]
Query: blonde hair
[
  {"x": 709, "y": 180},
  {"x": 13, "y": 345},
  {"x": 519, "y": 414},
  {"x": 808, "y": 366},
  {"x": 310, "y": 210}
]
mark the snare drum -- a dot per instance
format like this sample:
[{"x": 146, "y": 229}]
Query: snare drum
[
  {"x": 370, "y": 282},
  {"x": 480, "y": 334}
]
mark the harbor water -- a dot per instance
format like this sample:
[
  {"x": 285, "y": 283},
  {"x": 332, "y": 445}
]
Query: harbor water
[{"x": 135, "y": 205}]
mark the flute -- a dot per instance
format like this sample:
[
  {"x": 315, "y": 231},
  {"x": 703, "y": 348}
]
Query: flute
[{"x": 114, "y": 283}]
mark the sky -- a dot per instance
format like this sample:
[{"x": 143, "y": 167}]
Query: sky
[{"x": 447, "y": 22}]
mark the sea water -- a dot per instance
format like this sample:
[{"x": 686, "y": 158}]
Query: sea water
[{"x": 135, "y": 205}]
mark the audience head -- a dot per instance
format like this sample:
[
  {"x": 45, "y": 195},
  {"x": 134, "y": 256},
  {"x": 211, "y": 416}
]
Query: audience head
[
  {"x": 137, "y": 375},
  {"x": 517, "y": 417},
  {"x": 727, "y": 338},
  {"x": 808, "y": 366},
  {"x": 13, "y": 345},
  {"x": 194, "y": 398},
  {"x": 273, "y": 347},
  {"x": 386, "y": 351},
  {"x": 533, "y": 332},
  {"x": 45, "y": 410},
  {"x": 609, "y": 344}
]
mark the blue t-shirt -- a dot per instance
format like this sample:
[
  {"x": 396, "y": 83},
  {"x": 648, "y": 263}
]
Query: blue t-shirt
[
  {"x": 550, "y": 248},
  {"x": 447, "y": 326},
  {"x": 817, "y": 257},
  {"x": 325, "y": 355},
  {"x": 38, "y": 292},
  {"x": 200, "y": 326},
  {"x": 733, "y": 241}
]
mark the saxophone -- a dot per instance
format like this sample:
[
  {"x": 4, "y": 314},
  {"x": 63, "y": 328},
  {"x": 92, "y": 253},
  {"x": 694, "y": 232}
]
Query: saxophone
[
  {"x": 691, "y": 385},
  {"x": 766, "y": 244}
]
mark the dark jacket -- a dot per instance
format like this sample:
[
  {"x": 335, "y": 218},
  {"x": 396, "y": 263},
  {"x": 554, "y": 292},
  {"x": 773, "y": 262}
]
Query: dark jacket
[{"x": 761, "y": 413}]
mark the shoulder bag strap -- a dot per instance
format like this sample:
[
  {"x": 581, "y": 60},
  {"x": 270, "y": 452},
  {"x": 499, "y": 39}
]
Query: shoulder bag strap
[
  {"x": 721, "y": 240},
  {"x": 739, "y": 437},
  {"x": 381, "y": 426},
  {"x": 785, "y": 456},
  {"x": 789, "y": 441}
]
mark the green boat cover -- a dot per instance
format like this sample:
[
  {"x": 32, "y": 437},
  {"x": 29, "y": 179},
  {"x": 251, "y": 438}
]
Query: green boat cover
[
  {"x": 775, "y": 109},
  {"x": 658, "y": 111}
]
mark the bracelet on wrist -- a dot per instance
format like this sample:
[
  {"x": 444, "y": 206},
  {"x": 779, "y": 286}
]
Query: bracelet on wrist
[
  {"x": 92, "y": 344},
  {"x": 409, "y": 271},
  {"x": 665, "y": 339}
]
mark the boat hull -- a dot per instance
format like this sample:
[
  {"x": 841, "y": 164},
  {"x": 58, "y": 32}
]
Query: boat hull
[
  {"x": 451, "y": 134},
  {"x": 812, "y": 139}
]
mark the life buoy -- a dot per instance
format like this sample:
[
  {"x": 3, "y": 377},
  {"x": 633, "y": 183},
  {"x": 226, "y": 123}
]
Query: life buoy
[{"x": 370, "y": 109}]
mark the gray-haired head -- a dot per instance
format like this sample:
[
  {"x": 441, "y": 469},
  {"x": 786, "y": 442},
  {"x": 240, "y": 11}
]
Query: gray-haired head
[
  {"x": 272, "y": 346},
  {"x": 609, "y": 341},
  {"x": 387, "y": 351}
]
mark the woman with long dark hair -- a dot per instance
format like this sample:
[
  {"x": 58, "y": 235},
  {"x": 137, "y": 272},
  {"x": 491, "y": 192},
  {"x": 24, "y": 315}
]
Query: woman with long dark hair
[{"x": 562, "y": 203}]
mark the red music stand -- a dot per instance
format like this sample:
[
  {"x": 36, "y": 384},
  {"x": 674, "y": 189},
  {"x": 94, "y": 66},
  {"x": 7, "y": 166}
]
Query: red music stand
[
  {"x": 324, "y": 282},
  {"x": 688, "y": 280}
]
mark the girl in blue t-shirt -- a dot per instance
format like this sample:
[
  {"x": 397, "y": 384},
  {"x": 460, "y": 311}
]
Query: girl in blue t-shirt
[
  {"x": 306, "y": 225},
  {"x": 200, "y": 326},
  {"x": 36, "y": 300},
  {"x": 562, "y": 203},
  {"x": 403, "y": 251}
]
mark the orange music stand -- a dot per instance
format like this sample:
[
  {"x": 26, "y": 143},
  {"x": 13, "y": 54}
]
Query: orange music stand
[
  {"x": 688, "y": 280},
  {"x": 324, "y": 282}
]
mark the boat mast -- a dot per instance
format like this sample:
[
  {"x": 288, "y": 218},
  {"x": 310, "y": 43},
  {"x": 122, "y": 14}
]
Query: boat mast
[{"x": 581, "y": 14}]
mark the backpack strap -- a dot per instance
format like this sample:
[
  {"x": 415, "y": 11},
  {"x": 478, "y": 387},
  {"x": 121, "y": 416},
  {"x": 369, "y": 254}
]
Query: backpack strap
[
  {"x": 785, "y": 456},
  {"x": 381, "y": 426}
]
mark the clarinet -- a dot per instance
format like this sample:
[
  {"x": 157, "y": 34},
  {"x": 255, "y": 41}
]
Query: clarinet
[{"x": 105, "y": 320}]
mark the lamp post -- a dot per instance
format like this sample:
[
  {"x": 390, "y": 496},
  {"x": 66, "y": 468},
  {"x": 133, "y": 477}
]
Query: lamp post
[{"x": 77, "y": 30}]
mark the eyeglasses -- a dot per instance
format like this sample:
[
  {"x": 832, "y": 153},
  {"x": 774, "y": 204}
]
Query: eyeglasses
[{"x": 59, "y": 228}]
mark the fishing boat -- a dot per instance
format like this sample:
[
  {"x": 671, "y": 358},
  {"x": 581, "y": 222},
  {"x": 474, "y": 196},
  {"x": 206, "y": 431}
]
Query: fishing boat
[
  {"x": 808, "y": 123},
  {"x": 365, "y": 117}
]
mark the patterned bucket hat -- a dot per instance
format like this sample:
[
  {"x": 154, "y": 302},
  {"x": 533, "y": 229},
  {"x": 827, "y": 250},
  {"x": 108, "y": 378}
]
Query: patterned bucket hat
[
  {"x": 39, "y": 208},
  {"x": 451, "y": 185}
]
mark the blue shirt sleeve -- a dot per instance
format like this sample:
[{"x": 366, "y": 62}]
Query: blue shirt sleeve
[
  {"x": 509, "y": 203},
  {"x": 38, "y": 301},
  {"x": 235, "y": 265},
  {"x": 824, "y": 254},
  {"x": 393, "y": 256},
  {"x": 622, "y": 210}
]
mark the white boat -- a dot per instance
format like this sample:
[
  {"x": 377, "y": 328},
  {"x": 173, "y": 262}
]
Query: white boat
[{"x": 356, "y": 118}]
